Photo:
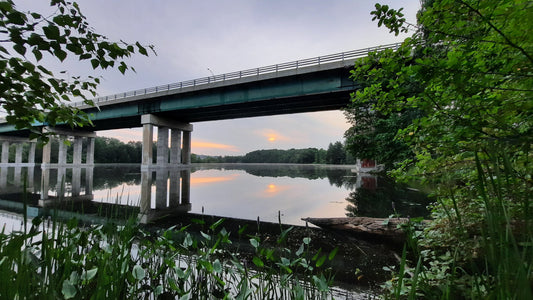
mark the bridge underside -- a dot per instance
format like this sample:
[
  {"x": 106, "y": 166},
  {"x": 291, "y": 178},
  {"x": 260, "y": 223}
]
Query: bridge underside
[
  {"x": 311, "y": 103},
  {"x": 322, "y": 90}
]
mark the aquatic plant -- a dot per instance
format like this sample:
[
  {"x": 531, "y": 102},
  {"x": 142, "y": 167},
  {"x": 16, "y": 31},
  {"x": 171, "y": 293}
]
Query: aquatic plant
[{"x": 54, "y": 260}]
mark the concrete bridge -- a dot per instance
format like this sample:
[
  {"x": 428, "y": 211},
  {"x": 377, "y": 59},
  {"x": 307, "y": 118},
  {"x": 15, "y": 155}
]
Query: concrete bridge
[{"x": 309, "y": 85}]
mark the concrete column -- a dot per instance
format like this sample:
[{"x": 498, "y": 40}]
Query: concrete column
[
  {"x": 3, "y": 177},
  {"x": 61, "y": 181},
  {"x": 17, "y": 179},
  {"x": 161, "y": 180},
  {"x": 146, "y": 193},
  {"x": 5, "y": 152},
  {"x": 186, "y": 152},
  {"x": 90, "y": 151},
  {"x": 62, "y": 152},
  {"x": 76, "y": 155},
  {"x": 89, "y": 180},
  {"x": 162, "y": 146},
  {"x": 47, "y": 149},
  {"x": 174, "y": 190},
  {"x": 186, "y": 187},
  {"x": 76, "y": 181},
  {"x": 31, "y": 153},
  {"x": 148, "y": 140},
  {"x": 45, "y": 179},
  {"x": 175, "y": 146},
  {"x": 31, "y": 176},
  {"x": 18, "y": 153}
]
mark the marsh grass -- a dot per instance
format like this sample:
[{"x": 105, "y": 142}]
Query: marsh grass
[
  {"x": 480, "y": 245},
  {"x": 55, "y": 260}
]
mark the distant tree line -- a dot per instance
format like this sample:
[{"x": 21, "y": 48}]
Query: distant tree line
[
  {"x": 335, "y": 154},
  {"x": 111, "y": 150}
]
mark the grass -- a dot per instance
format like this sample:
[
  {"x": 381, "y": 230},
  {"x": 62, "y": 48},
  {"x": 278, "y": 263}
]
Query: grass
[
  {"x": 54, "y": 260},
  {"x": 480, "y": 244}
]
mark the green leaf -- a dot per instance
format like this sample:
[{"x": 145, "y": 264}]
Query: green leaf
[
  {"x": 254, "y": 243},
  {"x": 300, "y": 250},
  {"x": 38, "y": 55},
  {"x": 216, "y": 224},
  {"x": 52, "y": 32},
  {"x": 142, "y": 50},
  {"x": 94, "y": 62},
  {"x": 138, "y": 272},
  {"x": 217, "y": 266},
  {"x": 20, "y": 49},
  {"x": 60, "y": 54},
  {"x": 321, "y": 261},
  {"x": 258, "y": 262},
  {"x": 90, "y": 274},
  {"x": 68, "y": 290},
  {"x": 333, "y": 253}
]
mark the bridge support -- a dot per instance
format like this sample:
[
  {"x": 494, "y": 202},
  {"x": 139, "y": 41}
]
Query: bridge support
[
  {"x": 180, "y": 151},
  {"x": 78, "y": 137},
  {"x": 172, "y": 195},
  {"x": 7, "y": 141}
]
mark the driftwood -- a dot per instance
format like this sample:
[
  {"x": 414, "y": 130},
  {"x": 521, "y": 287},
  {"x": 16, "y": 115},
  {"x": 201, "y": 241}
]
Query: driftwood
[{"x": 377, "y": 229}]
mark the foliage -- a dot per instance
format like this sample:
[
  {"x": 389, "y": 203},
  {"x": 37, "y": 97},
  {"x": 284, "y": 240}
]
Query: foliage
[
  {"x": 471, "y": 139},
  {"x": 335, "y": 154},
  {"x": 373, "y": 131},
  {"x": 30, "y": 92},
  {"x": 110, "y": 150},
  {"x": 68, "y": 261}
]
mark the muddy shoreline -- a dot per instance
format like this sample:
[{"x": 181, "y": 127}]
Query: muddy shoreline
[{"x": 357, "y": 262}]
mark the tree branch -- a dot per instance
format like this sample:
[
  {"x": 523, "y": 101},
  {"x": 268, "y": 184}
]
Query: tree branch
[{"x": 509, "y": 42}]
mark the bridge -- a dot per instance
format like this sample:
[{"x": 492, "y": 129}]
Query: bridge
[{"x": 308, "y": 85}]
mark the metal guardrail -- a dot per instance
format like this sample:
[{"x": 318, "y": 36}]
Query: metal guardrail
[{"x": 294, "y": 65}]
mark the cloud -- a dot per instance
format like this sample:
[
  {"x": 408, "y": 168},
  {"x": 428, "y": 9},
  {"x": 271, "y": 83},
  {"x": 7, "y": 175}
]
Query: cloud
[{"x": 200, "y": 147}]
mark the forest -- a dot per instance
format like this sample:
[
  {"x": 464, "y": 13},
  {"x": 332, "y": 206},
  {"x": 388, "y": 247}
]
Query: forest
[{"x": 111, "y": 150}]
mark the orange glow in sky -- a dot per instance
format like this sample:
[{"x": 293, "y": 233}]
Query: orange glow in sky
[
  {"x": 200, "y": 144},
  {"x": 272, "y": 135}
]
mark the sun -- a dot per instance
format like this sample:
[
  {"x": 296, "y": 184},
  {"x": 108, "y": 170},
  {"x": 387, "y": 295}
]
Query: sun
[{"x": 272, "y": 139}]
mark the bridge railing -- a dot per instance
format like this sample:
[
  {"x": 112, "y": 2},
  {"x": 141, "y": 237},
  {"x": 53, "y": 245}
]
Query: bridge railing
[{"x": 338, "y": 57}]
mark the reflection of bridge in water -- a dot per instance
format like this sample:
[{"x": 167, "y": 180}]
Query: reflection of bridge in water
[{"x": 164, "y": 192}]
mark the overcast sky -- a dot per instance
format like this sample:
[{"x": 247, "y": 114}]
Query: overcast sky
[{"x": 193, "y": 38}]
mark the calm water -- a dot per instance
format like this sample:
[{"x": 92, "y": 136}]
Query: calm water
[{"x": 289, "y": 192}]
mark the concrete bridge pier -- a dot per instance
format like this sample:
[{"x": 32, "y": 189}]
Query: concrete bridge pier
[
  {"x": 179, "y": 152},
  {"x": 168, "y": 191},
  {"x": 68, "y": 185},
  {"x": 7, "y": 141},
  {"x": 77, "y": 137}
]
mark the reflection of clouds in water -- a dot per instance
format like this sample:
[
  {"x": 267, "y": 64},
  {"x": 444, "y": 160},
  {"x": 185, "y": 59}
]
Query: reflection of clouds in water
[
  {"x": 213, "y": 179},
  {"x": 240, "y": 192},
  {"x": 126, "y": 194}
]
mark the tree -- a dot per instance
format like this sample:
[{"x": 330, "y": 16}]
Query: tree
[
  {"x": 336, "y": 154},
  {"x": 472, "y": 140},
  {"x": 373, "y": 131},
  {"x": 29, "y": 92}
]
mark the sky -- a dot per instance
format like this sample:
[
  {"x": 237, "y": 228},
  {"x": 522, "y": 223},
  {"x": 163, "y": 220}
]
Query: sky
[{"x": 195, "y": 39}]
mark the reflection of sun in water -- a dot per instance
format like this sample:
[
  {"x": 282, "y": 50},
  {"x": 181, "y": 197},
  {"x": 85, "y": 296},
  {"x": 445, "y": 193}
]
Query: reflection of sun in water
[{"x": 272, "y": 189}]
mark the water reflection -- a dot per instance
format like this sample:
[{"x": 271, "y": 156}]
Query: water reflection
[
  {"x": 381, "y": 197},
  {"x": 168, "y": 199},
  {"x": 235, "y": 191}
]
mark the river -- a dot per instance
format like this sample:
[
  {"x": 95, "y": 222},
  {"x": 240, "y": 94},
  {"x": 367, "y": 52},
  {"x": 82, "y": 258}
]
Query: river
[{"x": 268, "y": 192}]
